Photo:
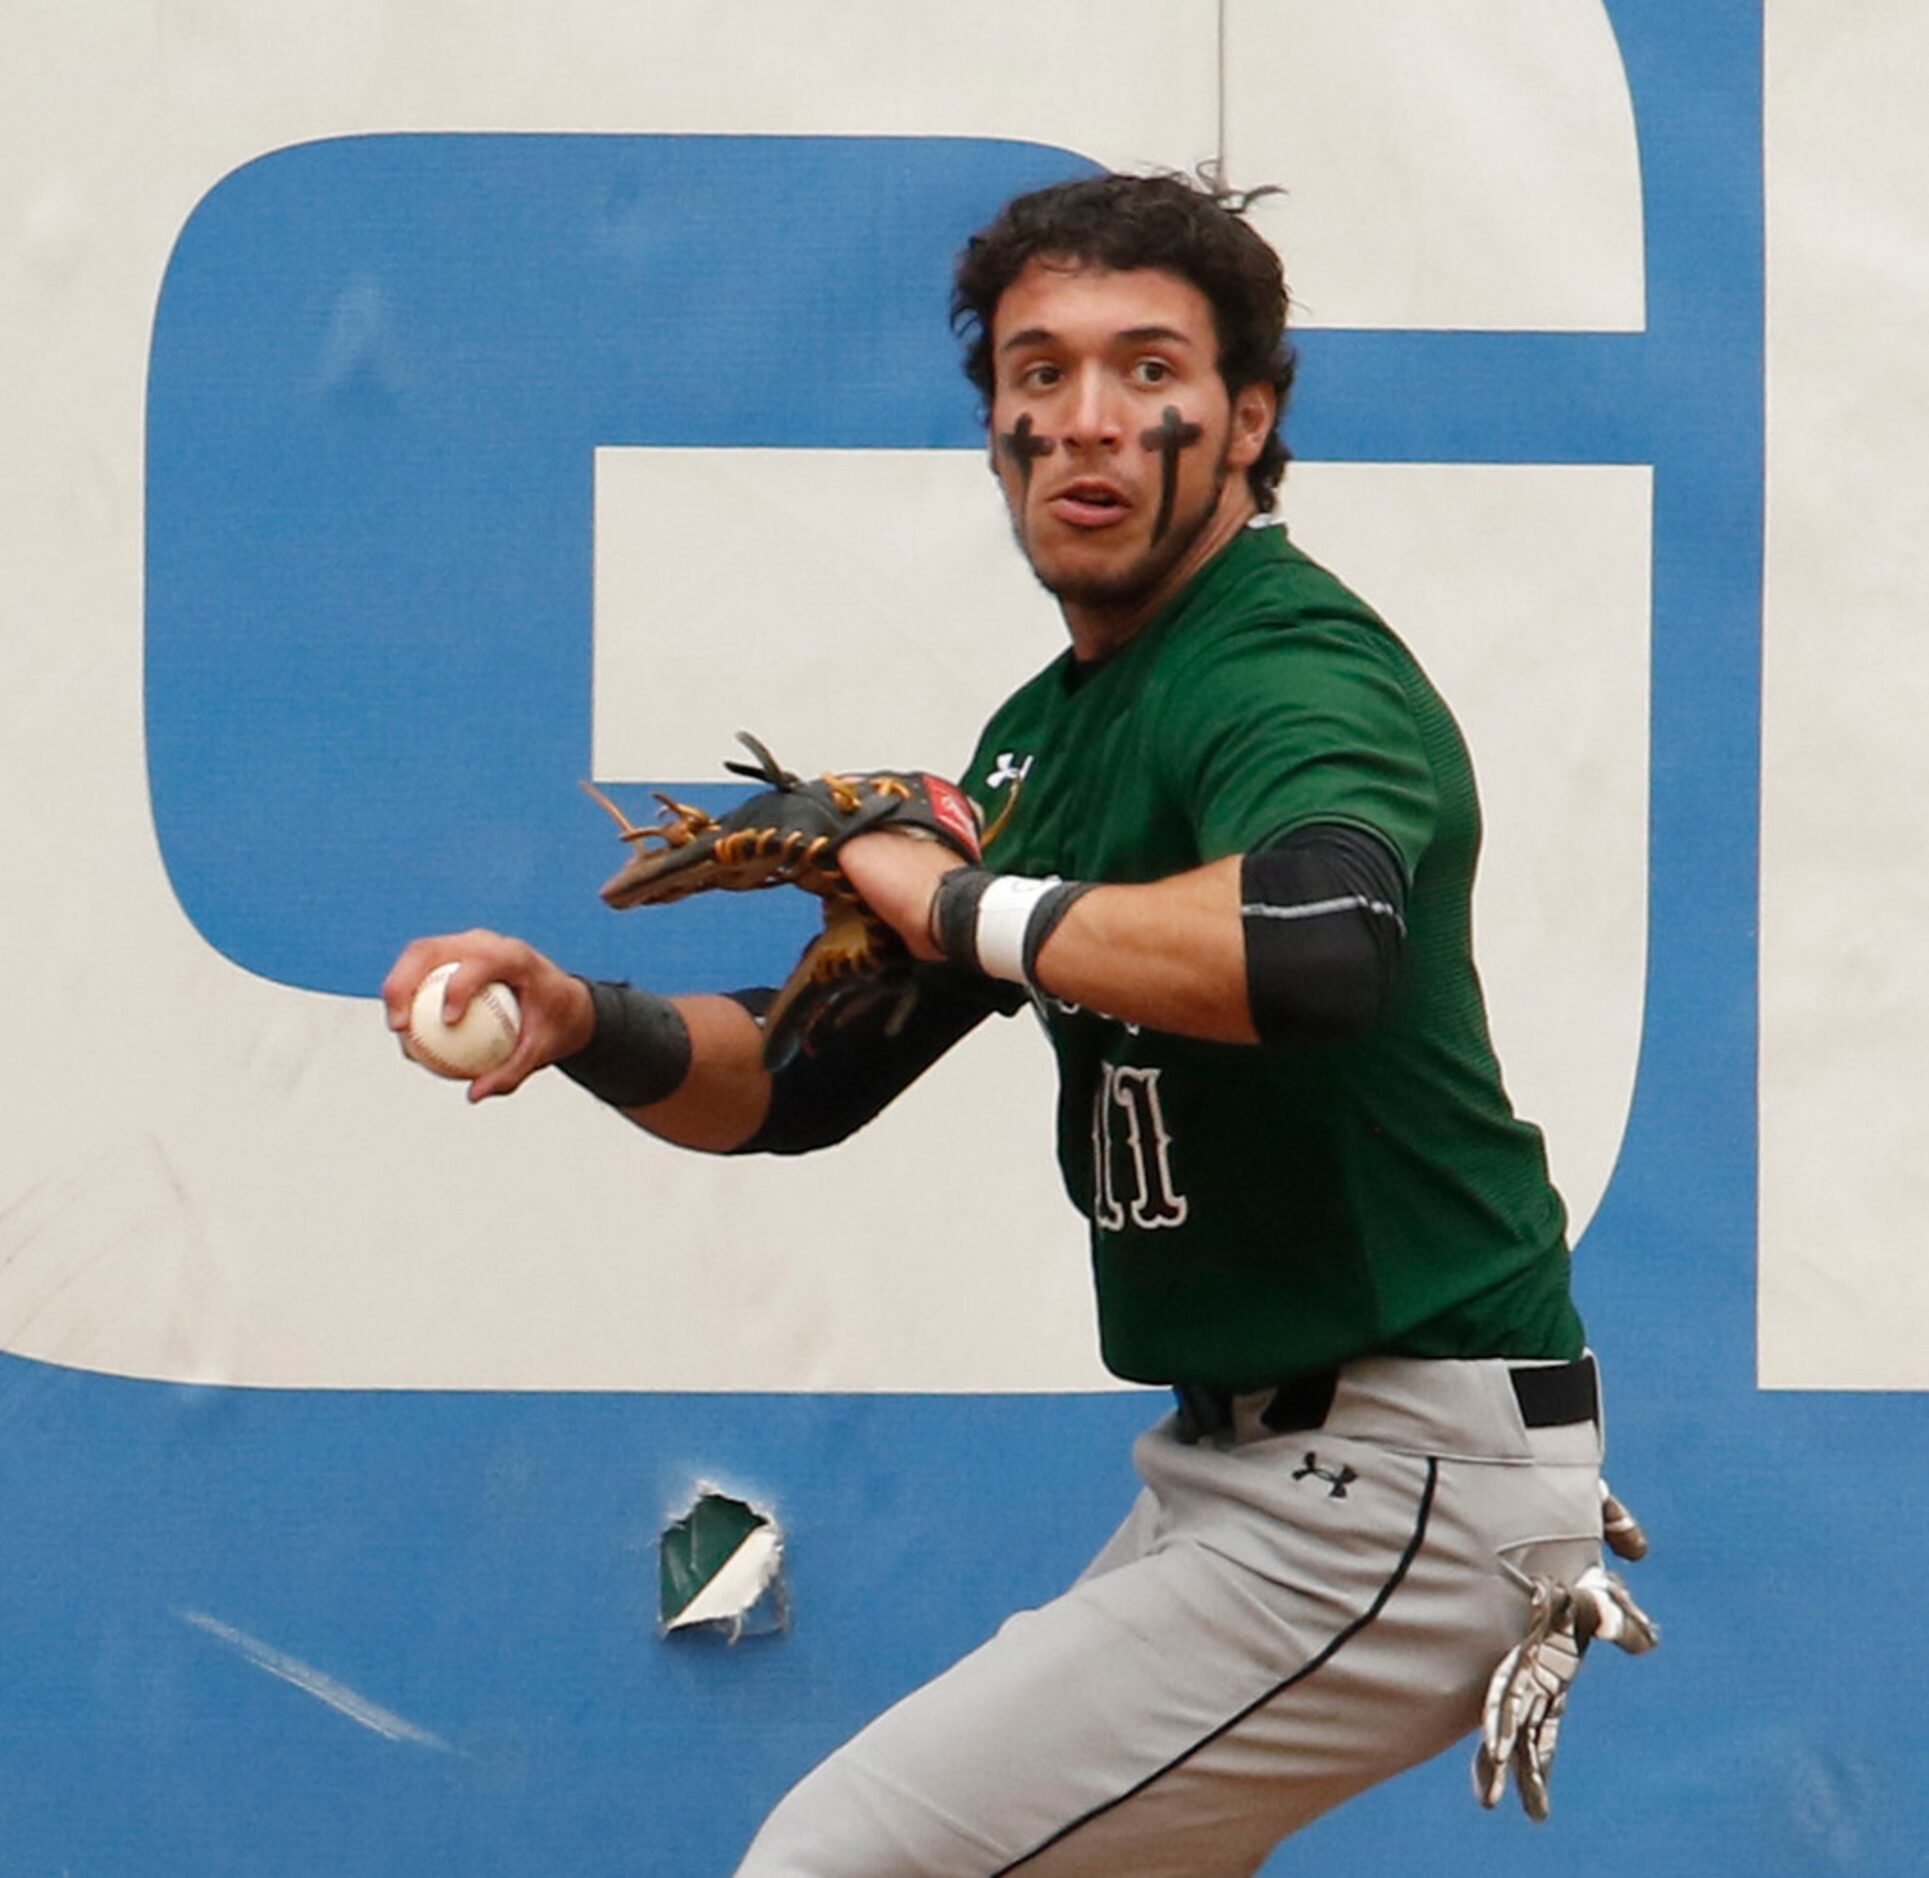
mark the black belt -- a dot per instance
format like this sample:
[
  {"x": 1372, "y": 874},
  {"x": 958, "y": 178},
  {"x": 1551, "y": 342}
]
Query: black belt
[{"x": 1551, "y": 1395}]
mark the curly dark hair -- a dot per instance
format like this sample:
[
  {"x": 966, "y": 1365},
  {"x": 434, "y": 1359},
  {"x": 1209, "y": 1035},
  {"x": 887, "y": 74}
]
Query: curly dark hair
[{"x": 1196, "y": 230}]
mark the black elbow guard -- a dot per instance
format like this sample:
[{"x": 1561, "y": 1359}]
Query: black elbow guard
[{"x": 1324, "y": 915}]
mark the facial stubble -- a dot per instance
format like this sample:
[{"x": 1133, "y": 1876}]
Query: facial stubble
[{"x": 1142, "y": 577}]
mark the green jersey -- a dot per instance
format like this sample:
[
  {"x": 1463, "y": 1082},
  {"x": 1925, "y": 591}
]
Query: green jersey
[{"x": 1257, "y": 1212}]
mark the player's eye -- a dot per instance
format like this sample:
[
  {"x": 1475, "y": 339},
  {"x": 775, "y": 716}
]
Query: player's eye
[
  {"x": 1041, "y": 375},
  {"x": 1152, "y": 371}
]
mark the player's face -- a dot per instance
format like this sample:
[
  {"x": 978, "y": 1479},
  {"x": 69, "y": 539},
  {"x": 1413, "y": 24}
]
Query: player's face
[{"x": 1121, "y": 454}]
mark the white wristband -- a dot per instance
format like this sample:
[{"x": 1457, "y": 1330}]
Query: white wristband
[{"x": 1004, "y": 914}]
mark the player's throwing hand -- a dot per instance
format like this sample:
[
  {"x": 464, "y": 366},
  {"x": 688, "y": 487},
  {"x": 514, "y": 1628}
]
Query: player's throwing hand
[{"x": 557, "y": 1015}]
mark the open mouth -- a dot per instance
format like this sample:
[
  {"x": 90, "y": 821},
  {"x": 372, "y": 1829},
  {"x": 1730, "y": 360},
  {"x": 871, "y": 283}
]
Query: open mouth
[{"x": 1089, "y": 504}]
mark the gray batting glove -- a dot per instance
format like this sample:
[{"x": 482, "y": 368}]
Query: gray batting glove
[{"x": 1520, "y": 1723}]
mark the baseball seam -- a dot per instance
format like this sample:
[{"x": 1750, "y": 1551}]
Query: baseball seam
[{"x": 490, "y": 999}]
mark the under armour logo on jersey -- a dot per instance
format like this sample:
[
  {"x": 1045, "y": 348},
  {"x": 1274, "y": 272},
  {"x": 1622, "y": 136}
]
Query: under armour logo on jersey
[
  {"x": 1007, "y": 769},
  {"x": 1336, "y": 1481}
]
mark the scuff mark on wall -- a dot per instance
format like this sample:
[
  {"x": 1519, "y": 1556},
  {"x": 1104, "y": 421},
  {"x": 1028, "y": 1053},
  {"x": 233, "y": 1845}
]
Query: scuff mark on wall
[
  {"x": 312, "y": 1681},
  {"x": 119, "y": 1234}
]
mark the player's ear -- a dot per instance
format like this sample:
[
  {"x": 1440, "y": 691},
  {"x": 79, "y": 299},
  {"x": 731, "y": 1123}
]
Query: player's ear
[{"x": 1255, "y": 410}]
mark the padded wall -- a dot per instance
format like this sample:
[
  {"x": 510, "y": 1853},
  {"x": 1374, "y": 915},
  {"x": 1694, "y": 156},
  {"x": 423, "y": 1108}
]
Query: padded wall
[{"x": 416, "y": 408}]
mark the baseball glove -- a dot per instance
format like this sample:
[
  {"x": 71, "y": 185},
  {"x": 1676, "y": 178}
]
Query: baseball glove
[{"x": 788, "y": 835}]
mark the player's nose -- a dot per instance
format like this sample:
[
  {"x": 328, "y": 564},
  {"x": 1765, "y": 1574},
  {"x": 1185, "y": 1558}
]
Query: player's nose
[{"x": 1094, "y": 412}]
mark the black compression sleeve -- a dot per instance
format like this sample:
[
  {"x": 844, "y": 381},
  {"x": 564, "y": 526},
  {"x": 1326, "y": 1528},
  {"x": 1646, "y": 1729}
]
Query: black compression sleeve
[
  {"x": 1324, "y": 912},
  {"x": 856, "y": 1068}
]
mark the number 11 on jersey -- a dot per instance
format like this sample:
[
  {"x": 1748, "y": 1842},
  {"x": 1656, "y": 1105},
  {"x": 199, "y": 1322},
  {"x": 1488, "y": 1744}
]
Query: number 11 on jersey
[{"x": 1131, "y": 1163}]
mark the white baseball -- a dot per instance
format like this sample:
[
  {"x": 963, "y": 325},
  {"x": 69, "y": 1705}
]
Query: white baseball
[{"x": 484, "y": 1037}]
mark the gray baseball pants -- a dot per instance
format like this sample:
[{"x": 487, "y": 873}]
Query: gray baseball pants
[{"x": 1282, "y": 1621}]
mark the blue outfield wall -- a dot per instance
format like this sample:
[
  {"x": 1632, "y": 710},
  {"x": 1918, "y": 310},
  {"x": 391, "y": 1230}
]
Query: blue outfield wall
[{"x": 484, "y": 1564}]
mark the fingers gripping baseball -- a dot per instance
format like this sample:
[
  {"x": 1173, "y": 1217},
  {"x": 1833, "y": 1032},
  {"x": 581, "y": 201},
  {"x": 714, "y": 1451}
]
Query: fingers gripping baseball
[{"x": 554, "y": 1009}]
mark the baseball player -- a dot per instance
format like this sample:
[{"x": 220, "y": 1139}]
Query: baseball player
[{"x": 1230, "y": 854}]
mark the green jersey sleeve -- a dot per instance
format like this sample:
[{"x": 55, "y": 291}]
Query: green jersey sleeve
[{"x": 1273, "y": 726}]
